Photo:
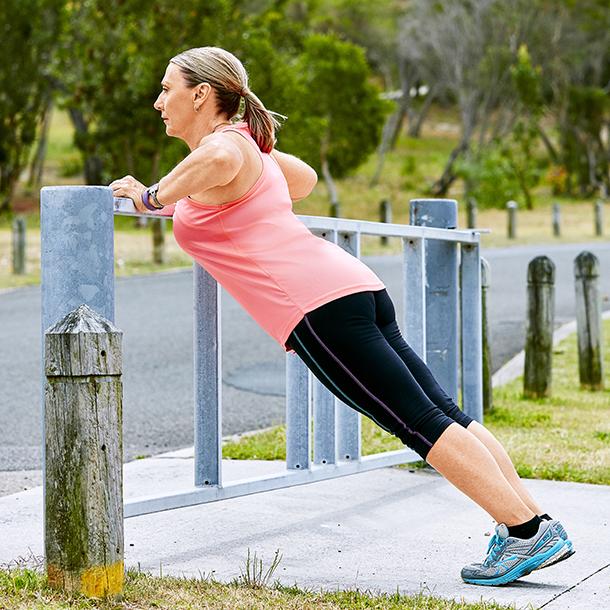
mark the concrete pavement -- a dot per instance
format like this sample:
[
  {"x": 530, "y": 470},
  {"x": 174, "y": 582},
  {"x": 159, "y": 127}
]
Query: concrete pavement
[{"x": 380, "y": 531}]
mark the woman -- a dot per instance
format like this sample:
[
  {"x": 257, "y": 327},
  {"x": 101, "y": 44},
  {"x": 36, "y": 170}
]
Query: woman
[{"x": 233, "y": 215}]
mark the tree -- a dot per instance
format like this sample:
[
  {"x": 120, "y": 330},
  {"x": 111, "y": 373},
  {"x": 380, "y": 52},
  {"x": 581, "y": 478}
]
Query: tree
[
  {"x": 29, "y": 31},
  {"x": 465, "y": 49},
  {"x": 342, "y": 112},
  {"x": 112, "y": 57}
]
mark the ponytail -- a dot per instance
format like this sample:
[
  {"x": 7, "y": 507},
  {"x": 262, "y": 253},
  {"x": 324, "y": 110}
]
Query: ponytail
[{"x": 262, "y": 122}]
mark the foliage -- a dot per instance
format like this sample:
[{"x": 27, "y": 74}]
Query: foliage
[
  {"x": 340, "y": 106},
  {"x": 112, "y": 57},
  {"x": 29, "y": 29},
  {"x": 490, "y": 177},
  {"x": 584, "y": 154}
]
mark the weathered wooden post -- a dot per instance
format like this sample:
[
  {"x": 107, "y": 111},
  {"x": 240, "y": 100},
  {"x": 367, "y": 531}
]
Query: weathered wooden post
[
  {"x": 83, "y": 469},
  {"x": 487, "y": 388},
  {"x": 19, "y": 245},
  {"x": 556, "y": 220},
  {"x": 511, "y": 207},
  {"x": 471, "y": 212},
  {"x": 589, "y": 321},
  {"x": 599, "y": 217},
  {"x": 539, "y": 331},
  {"x": 385, "y": 215},
  {"x": 158, "y": 234}
]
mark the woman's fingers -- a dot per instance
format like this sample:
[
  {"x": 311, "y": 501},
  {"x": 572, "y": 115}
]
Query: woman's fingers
[{"x": 129, "y": 187}]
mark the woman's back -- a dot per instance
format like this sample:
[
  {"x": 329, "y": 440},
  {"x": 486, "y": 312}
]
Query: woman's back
[{"x": 262, "y": 254}]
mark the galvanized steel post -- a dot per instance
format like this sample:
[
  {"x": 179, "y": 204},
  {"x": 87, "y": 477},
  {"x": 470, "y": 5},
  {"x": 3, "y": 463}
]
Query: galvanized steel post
[
  {"x": 207, "y": 378},
  {"x": 442, "y": 306},
  {"x": 298, "y": 437},
  {"x": 472, "y": 331},
  {"x": 348, "y": 420},
  {"x": 77, "y": 257},
  {"x": 414, "y": 294}
]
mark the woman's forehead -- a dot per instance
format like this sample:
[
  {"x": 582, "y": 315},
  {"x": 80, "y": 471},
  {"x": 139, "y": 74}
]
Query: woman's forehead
[{"x": 172, "y": 74}]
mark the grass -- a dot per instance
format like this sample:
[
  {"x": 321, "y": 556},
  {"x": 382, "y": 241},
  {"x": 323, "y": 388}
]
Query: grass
[
  {"x": 565, "y": 437},
  {"x": 26, "y": 589}
]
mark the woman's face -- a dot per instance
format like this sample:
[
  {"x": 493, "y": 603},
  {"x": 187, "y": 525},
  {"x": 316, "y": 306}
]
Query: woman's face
[{"x": 177, "y": 102}]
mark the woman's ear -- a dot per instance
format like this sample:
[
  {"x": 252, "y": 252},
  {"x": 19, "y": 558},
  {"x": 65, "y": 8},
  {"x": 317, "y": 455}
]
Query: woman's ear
[{"x": 200, "y": 94}]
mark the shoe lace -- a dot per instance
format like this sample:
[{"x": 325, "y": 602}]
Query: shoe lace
[
  {"x": 494, "y": 550},
  {"x": 493, "y": 541}
]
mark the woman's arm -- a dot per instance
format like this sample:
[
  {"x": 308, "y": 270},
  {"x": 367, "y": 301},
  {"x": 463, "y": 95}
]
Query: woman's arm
[
  {"x": 214, "y": 163},
  {"x": 301, "y": 177},
  {"x": 211, "y": 164}
]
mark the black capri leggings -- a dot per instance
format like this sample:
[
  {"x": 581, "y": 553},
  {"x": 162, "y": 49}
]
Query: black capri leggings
[{"x": 354, "y": 347}]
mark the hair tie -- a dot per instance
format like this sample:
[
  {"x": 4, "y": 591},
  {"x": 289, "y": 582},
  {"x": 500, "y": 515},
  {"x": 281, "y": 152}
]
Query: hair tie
[{"x": 244, "y": 92}]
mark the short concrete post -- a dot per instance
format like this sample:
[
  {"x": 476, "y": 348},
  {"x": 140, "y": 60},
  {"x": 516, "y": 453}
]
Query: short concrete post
[
  {"x": 471, "y": 212},
  {"x": 599, "y": 217},
  {"x": 511, "y": 207},
  {"x": 539, "y": 332},
  {"x": 556, "y": 220},
  {"x": 385, "y": 215},
  {"x": 441, "y": 285},
  {"x": 19, "y": 246},
  {"x": 487, "y": 387},
  {"x": 158, "y": 235},
  {"x": 589, "y": 321},
  {"x": 84, "y": 482}
]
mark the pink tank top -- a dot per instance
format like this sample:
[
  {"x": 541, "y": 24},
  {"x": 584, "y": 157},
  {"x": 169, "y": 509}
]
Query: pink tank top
[{"x": 263, "y": 255}]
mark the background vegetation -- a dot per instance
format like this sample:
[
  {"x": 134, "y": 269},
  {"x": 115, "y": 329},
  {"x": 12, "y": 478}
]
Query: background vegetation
[{"x": 527, "y": 80}]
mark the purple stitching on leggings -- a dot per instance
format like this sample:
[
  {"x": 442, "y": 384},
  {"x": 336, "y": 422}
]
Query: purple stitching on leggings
[{"x": 414, "y": 432}]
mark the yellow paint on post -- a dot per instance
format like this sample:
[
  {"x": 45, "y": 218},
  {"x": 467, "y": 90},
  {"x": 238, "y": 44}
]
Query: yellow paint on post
[
  {"x": 97, "y": 581},
  {"x": 100, "y": 581}
]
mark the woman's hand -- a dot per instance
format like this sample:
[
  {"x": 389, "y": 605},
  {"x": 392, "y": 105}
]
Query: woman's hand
[{"x": 128, "y": 186}]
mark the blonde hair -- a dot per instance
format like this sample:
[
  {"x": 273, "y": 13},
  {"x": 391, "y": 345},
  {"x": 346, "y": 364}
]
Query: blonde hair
[{"x": 229, "y": 79}]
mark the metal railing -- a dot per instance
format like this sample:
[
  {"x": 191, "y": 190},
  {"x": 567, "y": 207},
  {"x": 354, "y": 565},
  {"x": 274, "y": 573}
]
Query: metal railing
[{"x": 441, "y": 271}]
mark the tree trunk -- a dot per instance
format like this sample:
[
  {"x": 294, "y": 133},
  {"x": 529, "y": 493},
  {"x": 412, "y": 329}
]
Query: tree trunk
[
  {"x": 37, "y": 164},
  {"x": 416, "y": 126},
  {"x": 441, "y": 186},
  {"x": 330, "y": 183},
  {"x": 548, "y": 145},
  {"x": 92, "y": 163},
  {"x": 389, "y": 129}
]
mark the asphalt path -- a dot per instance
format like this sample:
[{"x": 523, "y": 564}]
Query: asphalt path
[{"x": 156, "y": 315}]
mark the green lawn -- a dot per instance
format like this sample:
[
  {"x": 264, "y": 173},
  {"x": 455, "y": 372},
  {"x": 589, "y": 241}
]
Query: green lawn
[
  {"x": 26, "y": 589},
  {"x": 565, "y": 437}
]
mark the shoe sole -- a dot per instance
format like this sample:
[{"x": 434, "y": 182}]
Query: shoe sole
[
  {"x": 565, "y": 553},
  {"x": 523, "y": 569}
]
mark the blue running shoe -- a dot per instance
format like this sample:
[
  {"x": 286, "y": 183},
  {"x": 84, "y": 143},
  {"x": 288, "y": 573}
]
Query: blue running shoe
[
  {"x": 511, "y": 558},
  {"x": 565, "y": 552}
]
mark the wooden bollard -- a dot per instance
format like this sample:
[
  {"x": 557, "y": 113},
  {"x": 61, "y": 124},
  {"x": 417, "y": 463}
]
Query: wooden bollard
[
  {"x": 158, "y": 234},
  {"x": 83, "y": 466},
  {"x": 19, "y": 246},
  {"x": 487, "y": 387},
  {"x": 589, "y": 321},
  {"x": 599, "y": 217},
  {"x": 471, "y": 212},
  {"x": 385, "y": 215},
  {"x": 556, "y": 220},
  {"x": 511, "y": 207},
  {"x": 539, "y": 333}
]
